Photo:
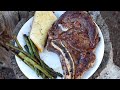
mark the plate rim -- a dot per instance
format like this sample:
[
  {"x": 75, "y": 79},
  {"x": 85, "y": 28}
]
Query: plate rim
[{"x": 83, "y": 78}]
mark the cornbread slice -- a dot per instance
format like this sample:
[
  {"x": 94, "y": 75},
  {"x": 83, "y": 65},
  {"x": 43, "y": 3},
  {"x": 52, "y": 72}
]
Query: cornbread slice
[{"x": 42, "y": 22}]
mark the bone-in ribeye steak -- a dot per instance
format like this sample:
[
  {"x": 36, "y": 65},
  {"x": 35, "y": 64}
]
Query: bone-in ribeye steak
[{"x": 74, "y": 37}]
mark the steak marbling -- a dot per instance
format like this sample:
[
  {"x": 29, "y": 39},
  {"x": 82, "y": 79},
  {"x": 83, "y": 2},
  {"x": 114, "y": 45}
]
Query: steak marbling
[{"x": 74, "y": 37}]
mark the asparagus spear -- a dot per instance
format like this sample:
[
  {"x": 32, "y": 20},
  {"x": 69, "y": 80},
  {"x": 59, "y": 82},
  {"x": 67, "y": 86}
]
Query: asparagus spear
[
  {"x": 31, "y": 66},
  {"x": 32, "y": 51},
  {"x": 39, "y": 73},
  {"x": 28, "y": 44},
  {"x": 20, "y": 50},
  {"x": 36, "y": 54},
  {"x": 29, "y": 56},
  {"x": 15, "y": 53},
  {"x": 35, "y": 50},
  {"x": 26, "y": 48},
  {"x": 35, "y": 65},
  {"x": 51, "y": 70},
  {"x": 18, "y": 44},
  {"x": 26, "y": 60},
  {"x": 17, "y": 50},
  {"x": 41, "y": 61},
  {"x": 36, "y": 70}
]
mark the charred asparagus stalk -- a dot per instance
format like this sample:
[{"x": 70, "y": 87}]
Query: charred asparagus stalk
[
  {"x": 26, "y": 48},
  {"x": 35, "y": 51},
  {"x": 31, "y": 66},
  {"x": 17, "y": 42},
  {"x": 30, "y": 62},
  {"x": 20, "y": 50},
  {"x": 28, "y": 44},
  {"x": 36, "y": 54},
  {"x": 26, "y": 58},
  {"x": 50, "y": 70},
  {"x": 41, "y": 61},
  {"x": 35, "y": 65}
]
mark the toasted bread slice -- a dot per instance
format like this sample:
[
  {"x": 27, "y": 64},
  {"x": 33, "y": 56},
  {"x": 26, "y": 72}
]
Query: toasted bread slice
[{"x": 42, "y": 22}]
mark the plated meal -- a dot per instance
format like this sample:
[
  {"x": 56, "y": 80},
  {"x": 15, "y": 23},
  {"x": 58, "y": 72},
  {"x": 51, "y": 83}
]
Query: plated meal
[{"x": 59, "y": 44}]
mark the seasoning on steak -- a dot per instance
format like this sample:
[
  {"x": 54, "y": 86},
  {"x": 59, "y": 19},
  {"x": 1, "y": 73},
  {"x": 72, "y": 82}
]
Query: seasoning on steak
[{"x": 74, "y": 37}]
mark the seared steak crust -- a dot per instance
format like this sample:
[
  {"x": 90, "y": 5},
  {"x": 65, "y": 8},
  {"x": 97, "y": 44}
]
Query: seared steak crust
[{"x": 74, "y": 37}]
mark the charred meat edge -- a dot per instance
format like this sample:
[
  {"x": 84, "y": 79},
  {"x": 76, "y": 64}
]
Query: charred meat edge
[
  {"x": 67, "y": 57},
  {"x": 89, "y": 65}
]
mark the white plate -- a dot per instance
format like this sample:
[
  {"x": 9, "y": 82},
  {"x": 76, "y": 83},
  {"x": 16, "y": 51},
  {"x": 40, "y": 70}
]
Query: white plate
[{"x": 51, "y": 58}]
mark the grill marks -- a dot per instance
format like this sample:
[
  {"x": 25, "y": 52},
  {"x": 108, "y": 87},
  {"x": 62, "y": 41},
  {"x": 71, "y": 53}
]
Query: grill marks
[{"x": 75, "y": 44}]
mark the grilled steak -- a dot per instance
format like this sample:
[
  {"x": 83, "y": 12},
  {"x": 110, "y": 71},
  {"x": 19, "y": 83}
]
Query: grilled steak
[{"x": 74, "y": 37}]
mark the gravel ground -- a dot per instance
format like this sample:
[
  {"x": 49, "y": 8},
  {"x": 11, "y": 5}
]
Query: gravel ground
[
  {"x": 6, "y": 73},
  {"x": 112, "y": 19}
]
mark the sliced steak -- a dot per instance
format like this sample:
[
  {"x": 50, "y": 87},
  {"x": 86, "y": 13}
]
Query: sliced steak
[{"x": 74, "y": 37}]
